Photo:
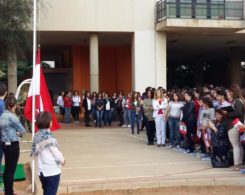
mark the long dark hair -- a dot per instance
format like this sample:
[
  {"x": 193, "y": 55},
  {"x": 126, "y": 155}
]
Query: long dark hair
[
  {"x": 10, "y": 102},
  {"x": 237, "y": 93}
]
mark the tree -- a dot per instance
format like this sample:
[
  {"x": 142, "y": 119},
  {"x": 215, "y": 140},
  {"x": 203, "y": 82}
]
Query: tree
[{"x": 15, "y": 19}]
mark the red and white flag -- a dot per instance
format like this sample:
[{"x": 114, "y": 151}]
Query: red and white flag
[{"x": 42, "y": 97}]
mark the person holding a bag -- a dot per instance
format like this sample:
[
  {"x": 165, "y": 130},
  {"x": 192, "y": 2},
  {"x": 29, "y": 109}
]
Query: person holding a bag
[
  {"x": 189, "y": 119},
  {"x": 219, "y": 139}
]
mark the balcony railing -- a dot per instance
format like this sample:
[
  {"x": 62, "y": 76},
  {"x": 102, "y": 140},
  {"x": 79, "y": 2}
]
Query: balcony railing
[{"x": 200, "y": 9}]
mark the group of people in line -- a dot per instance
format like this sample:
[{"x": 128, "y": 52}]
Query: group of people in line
[
  {"x": 208, "y": 118},
  {"x": 203, "y": 118},
  {"x": 45, "y": 148}
]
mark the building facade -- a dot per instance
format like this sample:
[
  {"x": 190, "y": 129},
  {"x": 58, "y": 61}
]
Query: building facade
[{"x": 108, "y": 45}]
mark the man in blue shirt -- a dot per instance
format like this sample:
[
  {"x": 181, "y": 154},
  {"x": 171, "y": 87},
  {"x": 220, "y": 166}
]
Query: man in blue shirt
[{"x": 3, "y": 93}]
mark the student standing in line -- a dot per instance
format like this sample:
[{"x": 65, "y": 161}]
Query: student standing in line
[
  {"x": 150, "y": 123},
  {"x": 46, "y": 151},
  {"x": 109, "y": 107},
  {"x": 238, "y": 104},
  {"x": 93, "y": 109},
  {"x": 87, "y": 107},
  {"x": 135, "y": 112},
  {"x": 67, "y": 106},
  {"x": 119, "y": 105},
  {"x": 60, "y": 103},
  {"x": 207, "y": 115},
  {"x": 11, "y": 128},
  {"x": 189, "y": 119},
  {"x": 76, "y": 100},
  {"x": 174, "y": 113},
  {"x": 160, "y": 105},
  {"x": 100, "y": 104},
  {"x": 127, "y": 109}
]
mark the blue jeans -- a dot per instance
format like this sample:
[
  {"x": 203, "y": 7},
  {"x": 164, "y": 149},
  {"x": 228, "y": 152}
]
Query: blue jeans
[
  {"x": 127, "y": 116},
  {"x": 174, "y": 135},
  {"x": 108, "y": 115},
  {"x": 67, "y": 114},
  {"x": 135, "y": 118},
  {"x": 50, "y": 184},
  {"x": 99, "y": 116}
]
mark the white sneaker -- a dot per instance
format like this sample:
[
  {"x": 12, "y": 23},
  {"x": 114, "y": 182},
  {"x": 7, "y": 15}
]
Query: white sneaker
[
  {"x": 124, "y": 126},
  {"x": 186, "y": 151},
  {"x": 206, "y": 158},
  {"x": 177, "y": 147},
  {"x": 129, "y": 126},
  {"x": 170, "y": 147}
]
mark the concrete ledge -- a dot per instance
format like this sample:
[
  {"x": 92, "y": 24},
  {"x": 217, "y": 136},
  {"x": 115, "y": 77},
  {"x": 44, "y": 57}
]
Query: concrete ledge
[{"x": 152, "y": 182}]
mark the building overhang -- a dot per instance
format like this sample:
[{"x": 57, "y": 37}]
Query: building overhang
[{"x": 200, "y": 25}]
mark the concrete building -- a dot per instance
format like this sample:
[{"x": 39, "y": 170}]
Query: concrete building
[{"x": 109, "y": 45}]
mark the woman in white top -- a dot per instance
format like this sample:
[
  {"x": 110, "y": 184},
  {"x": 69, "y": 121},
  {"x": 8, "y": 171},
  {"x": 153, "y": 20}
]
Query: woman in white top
[
  {"x": 46, "y": 152},
  {"x": 76, "y": 100},
  {"x": 60, "y": 103},
  {"x": 174, "y": 113},
  {"x": 160, "y": 105}
]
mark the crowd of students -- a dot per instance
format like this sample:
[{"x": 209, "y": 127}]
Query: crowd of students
[{"x": 207, "y": 118}]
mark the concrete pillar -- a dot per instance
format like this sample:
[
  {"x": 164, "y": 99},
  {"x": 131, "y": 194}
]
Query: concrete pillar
[
  {"x": 149, "y": 67},
  {"x": 243, "y": 10},
  {"x": 161, "y": 59},
  {"x": 235, "y": 66},
  {"x": 94, "y": 62},
  {"x": 143, "y": 60}
]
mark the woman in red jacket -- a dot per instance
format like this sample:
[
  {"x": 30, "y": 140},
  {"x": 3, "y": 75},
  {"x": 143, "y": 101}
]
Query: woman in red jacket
[{"x": 67, "y": 106}]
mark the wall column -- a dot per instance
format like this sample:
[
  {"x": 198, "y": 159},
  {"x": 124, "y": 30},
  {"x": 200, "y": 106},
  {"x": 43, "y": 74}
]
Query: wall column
[
  {"x": 94, "y": 62},
  {"x": 143, "y": 60},
  {"x": 161, "y": 59},
  {"x": 235, "y": 66}
]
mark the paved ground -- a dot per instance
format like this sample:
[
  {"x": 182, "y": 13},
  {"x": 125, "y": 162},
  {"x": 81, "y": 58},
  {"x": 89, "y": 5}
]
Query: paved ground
[{"x": 112, "y": 158}]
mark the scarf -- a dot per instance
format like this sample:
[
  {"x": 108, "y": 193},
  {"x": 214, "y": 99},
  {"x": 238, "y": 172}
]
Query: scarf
[{"x": 43, "y": 139}]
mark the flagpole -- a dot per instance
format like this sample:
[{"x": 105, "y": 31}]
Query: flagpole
[{"x": 34, "y": 84}]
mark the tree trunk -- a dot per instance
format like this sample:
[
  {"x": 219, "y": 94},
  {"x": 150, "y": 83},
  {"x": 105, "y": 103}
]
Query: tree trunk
[{"x": 12, "y": 69}]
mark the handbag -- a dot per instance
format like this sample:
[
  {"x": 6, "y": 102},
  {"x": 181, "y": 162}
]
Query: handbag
[
  {"x": 217, "y": 162},
  {"x": 182, "y": 128}
]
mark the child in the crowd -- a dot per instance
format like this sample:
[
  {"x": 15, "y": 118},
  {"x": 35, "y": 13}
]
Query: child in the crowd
[
  {"x": 207, "y": 115},
  {"x": 46, "y": 151},
  {"x": 199, "y": 127}
]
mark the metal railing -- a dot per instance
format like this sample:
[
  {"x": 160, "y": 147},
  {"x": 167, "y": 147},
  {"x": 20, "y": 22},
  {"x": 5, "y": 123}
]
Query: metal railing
[{"x": 200, "y": 9}]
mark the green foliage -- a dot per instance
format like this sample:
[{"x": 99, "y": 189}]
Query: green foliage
[
  {"x": 15, "y": 17},
  {"x": 23, "y": 68}
]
